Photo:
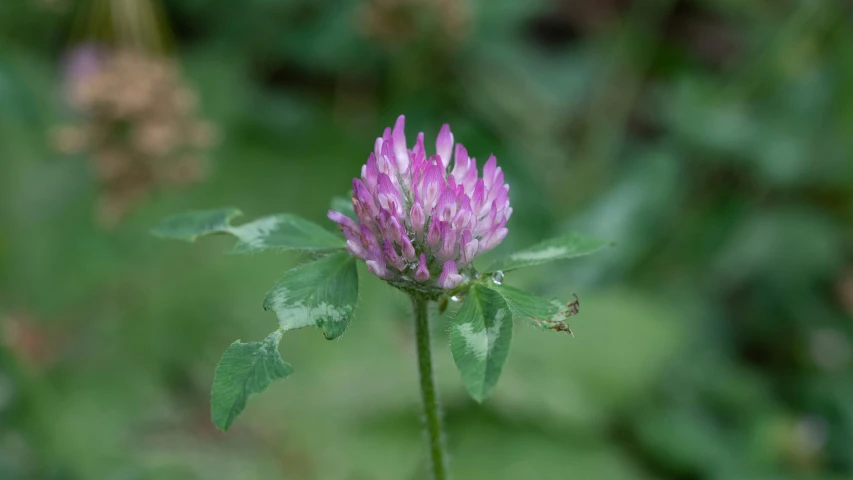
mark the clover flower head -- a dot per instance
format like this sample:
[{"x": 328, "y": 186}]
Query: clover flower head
[{"x": 422, "y": 219}]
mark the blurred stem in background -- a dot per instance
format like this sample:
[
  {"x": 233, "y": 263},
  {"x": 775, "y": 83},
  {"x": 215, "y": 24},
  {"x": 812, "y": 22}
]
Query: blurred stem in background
[
  {"x": 432, "y": 410},
  {"x": 135, "y": 24}
]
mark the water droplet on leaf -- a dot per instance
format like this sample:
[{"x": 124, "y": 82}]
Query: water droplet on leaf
[
  {"x": 498, "y": 277},
  {"x": 456, "y": 298}
]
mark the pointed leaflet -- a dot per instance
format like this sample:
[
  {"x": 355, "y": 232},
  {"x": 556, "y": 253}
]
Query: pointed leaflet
[
  {"x": 245, "y": 369},
  {"x": 568, "y": 246},
  {"x": 542, "y": 313},
  {"x": 479, "y": 340},
  {"x": 280, "y": 232},
  {"x": 191, "y": 225},
  {"x": 322, "y": 293}
]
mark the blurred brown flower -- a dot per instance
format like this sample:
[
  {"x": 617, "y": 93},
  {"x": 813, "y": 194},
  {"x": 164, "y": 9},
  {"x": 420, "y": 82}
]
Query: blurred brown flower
[
  {"x": 137, "y": 121},
  {"x": 395, "y": 22},
  {"x": 27, "y": 340}
]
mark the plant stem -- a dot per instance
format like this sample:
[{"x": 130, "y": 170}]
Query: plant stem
[{"x": 432, "y": 411}]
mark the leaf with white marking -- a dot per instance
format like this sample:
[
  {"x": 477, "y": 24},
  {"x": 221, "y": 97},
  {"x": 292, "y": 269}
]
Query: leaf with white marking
[
  {"x": 276, "y": 232},
  {"x": 479, "y": 340},
  {"x": 322, "y": 293},
  {"x": 283, "y": 232},
  {"x": 559, "y": 248},
  {"x": 542, "y": 313},
  {"x": 245, "y": 369}
]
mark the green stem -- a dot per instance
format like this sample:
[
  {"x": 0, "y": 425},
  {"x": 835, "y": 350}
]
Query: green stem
[{"x": 432, "y": 411}]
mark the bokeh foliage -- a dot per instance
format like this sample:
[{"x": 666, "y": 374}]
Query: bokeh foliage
[{"x": 710, "y": 139}]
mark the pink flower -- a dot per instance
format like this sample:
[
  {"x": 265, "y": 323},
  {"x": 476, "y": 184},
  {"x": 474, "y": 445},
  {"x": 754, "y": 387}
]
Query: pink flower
[{"x": 421, "y": 220}]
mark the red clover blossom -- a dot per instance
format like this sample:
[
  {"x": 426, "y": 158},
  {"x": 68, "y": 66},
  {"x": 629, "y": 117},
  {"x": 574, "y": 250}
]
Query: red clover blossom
[{"x": 422, "y": 219}]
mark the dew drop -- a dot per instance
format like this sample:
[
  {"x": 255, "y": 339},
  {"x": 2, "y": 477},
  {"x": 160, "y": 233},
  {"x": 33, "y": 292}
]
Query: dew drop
[
  {"x": 456, "y": 298},
  {"x": 498, "y": 277}
]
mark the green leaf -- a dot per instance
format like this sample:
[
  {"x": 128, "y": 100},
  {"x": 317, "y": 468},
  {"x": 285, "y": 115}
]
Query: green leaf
[
  {"x": 280, "y": 232},
  {"x": 568, "y": 246},
  {"x": 245, "y": 369},
  {"x": 344, "y": 205},
  {"x": 191, "y": 225},
  {"x": 322, "y": 293},
  {"x": 479, "y": 340},
  {"x": 542, "y": 313},
  {"x": 283, "y": 232}
]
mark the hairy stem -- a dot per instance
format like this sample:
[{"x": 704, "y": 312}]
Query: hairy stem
[{"x": 432, "y": 411}]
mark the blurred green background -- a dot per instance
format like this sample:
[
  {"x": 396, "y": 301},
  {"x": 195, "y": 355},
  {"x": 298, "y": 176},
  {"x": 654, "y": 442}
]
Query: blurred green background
[{"x": 711, "y": 139}]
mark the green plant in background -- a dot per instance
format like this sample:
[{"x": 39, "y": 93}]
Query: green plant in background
[
  {"x": 418, "y": 222},
  {"x": 707, "y": 137}
]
